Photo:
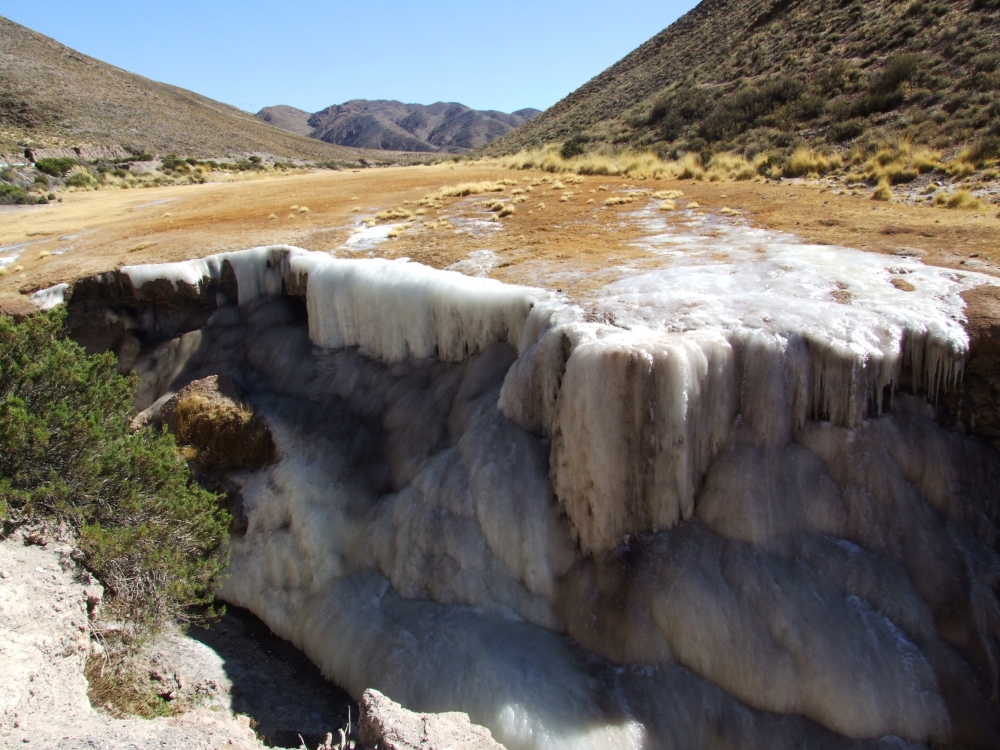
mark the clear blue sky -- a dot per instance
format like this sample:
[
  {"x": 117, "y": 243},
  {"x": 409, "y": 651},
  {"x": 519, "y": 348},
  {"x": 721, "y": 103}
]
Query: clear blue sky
[{"x": 313, "y": 53}]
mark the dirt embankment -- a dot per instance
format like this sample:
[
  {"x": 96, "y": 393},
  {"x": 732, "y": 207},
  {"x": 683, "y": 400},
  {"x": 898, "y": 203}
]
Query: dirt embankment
[{"x": 237, "y": 684}]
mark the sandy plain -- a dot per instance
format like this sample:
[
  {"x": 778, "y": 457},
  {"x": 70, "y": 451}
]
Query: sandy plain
[{"x": 93, "y": 232}]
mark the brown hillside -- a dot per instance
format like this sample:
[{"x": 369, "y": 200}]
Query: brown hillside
[
  {"x": 445, "y": 127},
  {"x": 52, "y": 95},
  {"x": 753, "y": 75}
]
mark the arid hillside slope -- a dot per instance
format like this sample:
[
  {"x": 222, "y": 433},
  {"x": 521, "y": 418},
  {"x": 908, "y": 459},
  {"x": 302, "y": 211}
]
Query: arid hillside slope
[
  {"x": 445, "y": 126},
  {"x": 753, "y": 75},
  {"x": 51, "y": 95}
]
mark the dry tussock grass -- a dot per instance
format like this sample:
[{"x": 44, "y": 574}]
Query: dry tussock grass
[
  {"x": 464, "y": 189},
  {"x": 395, "y": 214},
  {"x": 621, "y": 200},
  {"x": 883, "y": 192},
  {"x": 225, "y": 434},
  {"x": 961, "y": 200},
  {"x": 807, "y": 162},
  {"x": 892, "y": 162}
]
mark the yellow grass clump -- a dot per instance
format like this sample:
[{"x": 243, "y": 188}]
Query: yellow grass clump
[
  {"x": 225, "y": 434},
  {"x": 897, "y": 162},
  {"x": 394, "y": 214},
  {"x": 807, "y": 162},
  {"x": 961, "y": 200},
  {"x": 463, "y": 189},
  {"x": 668, "y": 195},
  {"x": 621, "y": 200},
  {"x": 724, "y": 167},
  {"x": 506, "y": 211},
  {"x": 883, "y": 192},
  {"x": 668, "y": 205}
]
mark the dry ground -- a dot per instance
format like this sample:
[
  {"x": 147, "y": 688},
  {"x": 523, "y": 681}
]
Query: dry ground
[{"x": 93, "y": 232}]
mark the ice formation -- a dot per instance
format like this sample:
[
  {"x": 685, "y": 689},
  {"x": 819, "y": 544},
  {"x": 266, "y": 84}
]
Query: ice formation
[
  {"x": 368, "y": 237},
  {"x": 53, "y": 296},
  {"x": 716, "y": 516}
]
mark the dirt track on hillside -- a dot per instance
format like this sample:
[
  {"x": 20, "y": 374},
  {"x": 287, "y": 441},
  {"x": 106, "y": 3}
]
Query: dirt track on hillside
[{"x": 93, "y": 232}]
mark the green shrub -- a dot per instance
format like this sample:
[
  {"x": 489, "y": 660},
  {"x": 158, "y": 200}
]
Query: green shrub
[
  {"x": 56, "y": 167},
  {"x": 846, "y": 131},
  {"x": 575, "y": 146},
  {"x": 983, "y": 151},
  {"x": 152, "y": 536},
  {"x": 81, "y": 179},
  {"x": 13, "y": 194},
  {"x": 741, "y": 110}
]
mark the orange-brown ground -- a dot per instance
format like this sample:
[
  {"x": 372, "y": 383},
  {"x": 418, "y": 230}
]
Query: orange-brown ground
[{"x": 100, "y": 231}]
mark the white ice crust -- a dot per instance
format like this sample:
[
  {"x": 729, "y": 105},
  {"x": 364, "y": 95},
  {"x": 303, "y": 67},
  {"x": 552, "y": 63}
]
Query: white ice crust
[
  {"x": 51, "y": 297},
  {"x": 698, "y": 480},
  {"x": 395, "y": 311}
]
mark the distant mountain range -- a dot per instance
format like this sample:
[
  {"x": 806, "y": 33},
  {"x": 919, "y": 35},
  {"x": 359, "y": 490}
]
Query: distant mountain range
[{"x": 393, "y": 126}]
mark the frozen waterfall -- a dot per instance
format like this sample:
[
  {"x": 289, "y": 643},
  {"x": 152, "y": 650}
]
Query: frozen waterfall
[{"x": 717, "y": 513}]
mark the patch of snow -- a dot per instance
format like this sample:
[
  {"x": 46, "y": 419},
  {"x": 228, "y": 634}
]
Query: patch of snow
[
  {"x": 479, "y": 263},
  {"x": 367, "y": 238},
  {"x": 54, "y": 296}
]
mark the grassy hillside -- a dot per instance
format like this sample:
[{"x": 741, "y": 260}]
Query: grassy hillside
[
  {"x": 761, "y": 75},
  {"x": 51, "y": 95}
]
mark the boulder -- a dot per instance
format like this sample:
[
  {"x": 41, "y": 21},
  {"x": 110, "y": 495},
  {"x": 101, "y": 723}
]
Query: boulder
[{"x": 386, "y": 725}]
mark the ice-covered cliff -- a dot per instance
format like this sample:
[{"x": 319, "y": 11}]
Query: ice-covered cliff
[{"x": 710, "y": 507}]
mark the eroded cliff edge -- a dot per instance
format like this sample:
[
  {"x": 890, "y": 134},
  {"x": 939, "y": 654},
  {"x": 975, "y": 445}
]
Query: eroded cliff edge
[{"x": 583, "y": 532}]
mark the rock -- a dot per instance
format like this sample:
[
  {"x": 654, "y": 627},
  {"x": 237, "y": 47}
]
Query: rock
[
  {"x": 386, "y": 725},
  {"x": 975, "y": 406},
  {"x": 144, "y": 167},
  {"x": 105, "y": 153},
  {"x": 37, "y": 538},
  {"x": 51, "y": 153}
]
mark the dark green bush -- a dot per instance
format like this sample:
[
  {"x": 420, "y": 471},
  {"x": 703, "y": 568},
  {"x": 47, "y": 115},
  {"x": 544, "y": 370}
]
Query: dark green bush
[
  {"x": 747, "y": 107},
  {"x": 575, "y": 146},
  {"x": 172, "y": 163},
  {"x": 152, "y": 536},
  {"x": 56, "y": 167},
  {"x": 846, "y": 131},
  {"x": 984, "y": 150},
  {"x": 13, "y": 194}
]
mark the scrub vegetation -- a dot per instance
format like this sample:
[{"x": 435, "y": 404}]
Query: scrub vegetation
[
  {"x": 68, "y": 460},
  {"x": 785, "y": 85}
]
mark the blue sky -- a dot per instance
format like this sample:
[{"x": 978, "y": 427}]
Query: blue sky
[{"x": 310, "y": 54}]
